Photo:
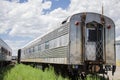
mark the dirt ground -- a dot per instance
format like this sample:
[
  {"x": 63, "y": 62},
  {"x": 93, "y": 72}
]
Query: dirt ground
[{"x": 116, "y": 75}]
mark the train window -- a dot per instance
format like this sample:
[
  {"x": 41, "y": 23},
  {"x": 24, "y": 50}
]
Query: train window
[
  {"x": 51, "y": 44},
  {"x": 9, "y": 54},
  {"x": 91, "y": 35},
  {"x": 29, "y": 50},
  {"x": 61, "y": 40},
  {"x": 57, "y": 42},
  {"x": 1, "y": 49},
  {"x": 24, "y": 51},
  {"x": 64, "y": 40},
  {"x": 42, "y": 47},
  {"x": 36, "y": 48},
  {"x": 47, "y": 45},
  {"x": 33, "y": 49},
  {"x": 39, "y": 47}
]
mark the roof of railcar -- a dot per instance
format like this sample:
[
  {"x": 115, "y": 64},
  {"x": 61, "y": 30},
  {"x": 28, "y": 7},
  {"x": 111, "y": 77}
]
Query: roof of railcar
[
  {"x": 5, "y": 45},
  {"x": 36, "y": 40},
  {"x": 91, "y": 13},
  {"x": 66, "y": 21},
  {"x": 39, "y": 38}
]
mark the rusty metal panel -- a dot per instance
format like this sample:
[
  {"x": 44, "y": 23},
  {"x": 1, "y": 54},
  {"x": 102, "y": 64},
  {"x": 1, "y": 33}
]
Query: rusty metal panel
[
  {"x": 93, "y": 17},
  {"x": 77, "y": 54},
  {"x": 110, "y": 41},
  {"x": 90, "y": 51},
  {"x": 75, "y": 41},
  {"x": 95, "y": 50},
  {"x": 77, "y": 36}
]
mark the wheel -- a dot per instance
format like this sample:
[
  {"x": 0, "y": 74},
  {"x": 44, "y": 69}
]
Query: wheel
[{"x": 83, "y": 75}]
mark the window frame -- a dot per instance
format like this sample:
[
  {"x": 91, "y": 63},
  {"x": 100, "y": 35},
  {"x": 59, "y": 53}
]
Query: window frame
[{"x": 47, "y": 45}]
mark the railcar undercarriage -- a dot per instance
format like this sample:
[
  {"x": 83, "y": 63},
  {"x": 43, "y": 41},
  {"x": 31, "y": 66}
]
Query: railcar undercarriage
[{"x": 78, "y": 72}]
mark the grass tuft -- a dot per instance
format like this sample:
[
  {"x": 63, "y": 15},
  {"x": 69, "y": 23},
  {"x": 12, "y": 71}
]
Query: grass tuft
[
  {"x": 24, "y": 72},
  {"x": 118, "y": 63}
]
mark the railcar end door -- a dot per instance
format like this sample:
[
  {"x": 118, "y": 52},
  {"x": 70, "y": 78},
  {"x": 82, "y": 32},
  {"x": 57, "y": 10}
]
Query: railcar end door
[{"x": 94, "y": 42}]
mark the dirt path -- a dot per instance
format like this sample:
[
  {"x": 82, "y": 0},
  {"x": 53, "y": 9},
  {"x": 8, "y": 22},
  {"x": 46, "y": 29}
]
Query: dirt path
[{"x": 116, "y": 75}]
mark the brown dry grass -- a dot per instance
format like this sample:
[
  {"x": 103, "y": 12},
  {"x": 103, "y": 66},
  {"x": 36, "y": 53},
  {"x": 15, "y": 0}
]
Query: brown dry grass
[{"x": 118, "y": 63}]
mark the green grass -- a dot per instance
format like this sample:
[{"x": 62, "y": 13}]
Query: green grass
[
  {"x": 95, "y": 77},
  {"x": 3, "y": 71},
  {"x": 26, "y": 72},
  {"x": 23, "y": 72}
]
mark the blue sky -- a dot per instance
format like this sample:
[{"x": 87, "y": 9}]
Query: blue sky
[
  {"x": 58, "y": 3},
  {"x": 55, "y": 3},
  {"x": 11, "y": 39},
  {"x": 24, "y": 20}
]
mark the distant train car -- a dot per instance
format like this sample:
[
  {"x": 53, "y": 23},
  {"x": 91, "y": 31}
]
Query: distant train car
[
  {"x": 84, "y": 41},
  {"x": 5, "y": 52},
  {"x": 118, "y": 50}
]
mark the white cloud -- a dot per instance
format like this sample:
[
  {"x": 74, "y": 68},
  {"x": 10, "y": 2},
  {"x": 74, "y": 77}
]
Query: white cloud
[
  {"x": 59, "y": 13},
  {"x": 25, "y": 18},
  {"x": 28, "y": 19},
  {"x": 111, "y": 9},
  {"x": 47, "y": 4},
  {"x": 29, "y": 15},
  {"x": 15, "y": 45}
]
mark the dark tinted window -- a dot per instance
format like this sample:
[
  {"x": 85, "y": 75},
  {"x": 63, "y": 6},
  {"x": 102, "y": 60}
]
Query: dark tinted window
[
  {"x": 92, "y": 36},
  {"x": 47, "y": 45},
  {"x": 39, "y": 47}
]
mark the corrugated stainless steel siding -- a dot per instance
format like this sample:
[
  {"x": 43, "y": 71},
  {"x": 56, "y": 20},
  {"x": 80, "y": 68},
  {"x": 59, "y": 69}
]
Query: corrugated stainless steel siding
[
  {"x": 3, "y": 56},
  {"x": 60, "y": 52},
  {"x": 3, "y": 44},
  {"x": 55, "y": 52},
  {"x": 56, "y": 33}
]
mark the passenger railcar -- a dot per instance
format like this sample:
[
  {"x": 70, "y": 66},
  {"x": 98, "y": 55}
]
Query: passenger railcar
[
  {"x": 5, "y": 53},
  {"x": 118, "y": 50},
  {"x": 84, "y": 42}
]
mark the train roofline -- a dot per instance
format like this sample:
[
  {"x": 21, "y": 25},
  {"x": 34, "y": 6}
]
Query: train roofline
[
  {"x": 39, "y": 37},
  {"x": 92, "y": 13},
  {"x": 36, "y": 39},
  {"x": 67, "y": 20},
  {"x": 6, "y": 45}
]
